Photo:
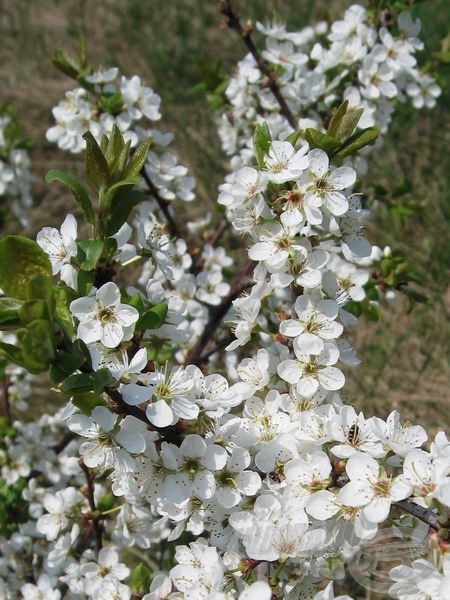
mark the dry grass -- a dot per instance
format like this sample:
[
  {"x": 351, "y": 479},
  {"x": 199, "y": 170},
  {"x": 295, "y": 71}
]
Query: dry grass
[{"x": 404, "y": 356}]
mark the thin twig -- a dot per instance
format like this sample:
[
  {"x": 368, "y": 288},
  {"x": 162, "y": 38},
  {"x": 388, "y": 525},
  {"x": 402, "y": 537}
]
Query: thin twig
[
  {"x": 218, "y": 313},
  {"x": 233, "y": 22},
  {"x": 218, "y": 346},
  {"x": 163, "y": 205},
  {"x": 6, "y": 404},
  {"x": 96, "y": 525},
  {"x": 424, "y": 514}
]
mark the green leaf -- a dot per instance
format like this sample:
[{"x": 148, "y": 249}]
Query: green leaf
[
  {"x": 153, "y": 318},
  {"x": 87, "y": 382},
  {"x": 119, "y": 190},
  {"x": 348, "y": 124},
  {"x": 138, "y": 159},
  {"x": 336, "y": 120},
  {"x": 293, "y": 137},
  {"x": 140, "y": 579},
  {"x": 87, "y": 402},
  {"x": 121, "y": 211},
  {"x": 97, "y": 170},
  {"x": 85, "y": 281},
  {"x": 111, "y": 104},
  {"x": 80, "y": 195},
  {"x": 20, "y": 260},
  {"x": 116, "y": 153},
  {"x": 41, "y": 287},
  {"x": 66, "y": 64},
  {"x": 357, "y": 141},
  {"x": 38, "y": 346},
  {"x": 9, "y": 313},
  {"x": 64, "y": 295},
  {"x": 93, "y": 250},
  {"x": 32, "y": 310},
  {"x": 261, "y": 140},
  {"x": 12, "y": 353},
  {"x": 65, "y": 365},
  {"x": 317, "y": 139}
]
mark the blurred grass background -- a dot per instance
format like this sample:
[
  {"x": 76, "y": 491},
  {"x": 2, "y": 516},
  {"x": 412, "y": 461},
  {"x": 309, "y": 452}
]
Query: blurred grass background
[{"x": 405, "y": 356}]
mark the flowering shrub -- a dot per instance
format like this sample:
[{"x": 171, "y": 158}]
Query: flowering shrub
[{"x": 173, "y": 469}]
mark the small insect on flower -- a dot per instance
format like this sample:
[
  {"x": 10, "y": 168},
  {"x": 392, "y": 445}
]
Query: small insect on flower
[{"x": 353, "y": 433}]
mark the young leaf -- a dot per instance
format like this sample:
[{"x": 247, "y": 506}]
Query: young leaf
[
  {"x": 77, "y": 190},
  {"x": 20, "y": 259},
  {"x": 119, "y": 190},
  {"x": 87, "y": 402},
  {"x": 87, "y": 382},
  {"x": 121, "y": 211},
  {"x": 93, "y": 250},
  {"x": 64, "y": 295},
  {"x": 9, "y": 313},
  {"x": 317, "y": 139},
  {"x": 97, "y": 170},
  {"x": 65, "y": 365},
  {"x": 357, "y": 141},
  {"x": 336, "y": 120},
  {"x": 138, "y": 159},
  {"x": 153, "y": 318},
  {"x": 261, "y": 141},
  {"x": 140, "y": 579},
  {"x": 38, "y": 346}
]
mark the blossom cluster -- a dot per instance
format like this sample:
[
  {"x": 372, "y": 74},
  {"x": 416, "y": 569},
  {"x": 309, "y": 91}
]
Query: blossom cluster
[
  {"x": 253, "y": 455},
  {"x": 369, "y": 62}
]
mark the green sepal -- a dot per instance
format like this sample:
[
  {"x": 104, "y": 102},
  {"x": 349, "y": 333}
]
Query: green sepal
[
  {"x": 9, "y": 313},
  {"x": 77, "y": 190},
  {"x": 20, "y": 260},
  {"x": 87, "y": 382},
  {"x": 323, "y": 141},
  {"x": 153, "y": 318},
  {"x": 112, "y": 104},
  {"x": 121, "y": 211},
  {"x": 38, "y": 346},
  {"x": 97, "y": 170},
  {"x": 261, "y": 141},
  {"x": 138, "y": 159},
  {"x": 140, "y": 579},
  {"x": 92, "y": 250},
  {"x": 359, "y": 140},
  {"x": 292, "y": 138},
  {"x": 32, "y": 310},
  {"x": 64, "y": 295},
  {"x": 87, "y": 402},
  {"x": 64, "y": 365},
  {"x": 159, "y": 355}
]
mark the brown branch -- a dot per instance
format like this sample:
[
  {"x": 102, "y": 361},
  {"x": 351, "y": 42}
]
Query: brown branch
[
  {"x": 170, "y": 434},
  {"x": 233, "y": 22},
  {"x": 217, "y": 314},
  {"x": 423, "y": 514},
  {"x": 218, "y": 346},
  {"x": 6, "y": 404},
  {"x": 163, "y": 205},
  {"x": 96, "y": 525}
]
